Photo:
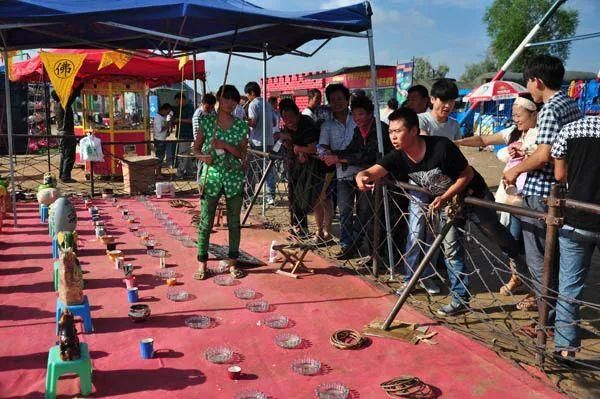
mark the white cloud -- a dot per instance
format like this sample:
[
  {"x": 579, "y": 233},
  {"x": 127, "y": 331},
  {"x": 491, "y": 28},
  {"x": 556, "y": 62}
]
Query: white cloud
[{"x": 337, "y": 3}]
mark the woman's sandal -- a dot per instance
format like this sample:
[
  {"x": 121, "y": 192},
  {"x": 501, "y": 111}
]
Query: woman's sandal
[
  {"x": 237, "y": 273},
  {"x": 200, "y": 274},
  {"x": 529, "y": 303},
  {"x": 512, "y": 286}
]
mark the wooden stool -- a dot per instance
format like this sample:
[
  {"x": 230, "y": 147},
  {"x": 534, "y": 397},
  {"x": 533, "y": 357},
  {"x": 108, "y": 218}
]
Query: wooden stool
[{"x": 293, "y": 254}]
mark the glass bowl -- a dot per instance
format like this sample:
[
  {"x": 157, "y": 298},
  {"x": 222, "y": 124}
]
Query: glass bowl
[
  {"x": 258, "y": 306},
  {"x": 199, "y": 322},
  {"x": 218, "y": 354},
  {"x": 306, "y": 366},
  {"x": 175, "y": 232},
  {"x": 224, "y": 279},
  {"x": 189, "y": 243},
  {"x": 331, "y": 390},
  {"x": 149, "y": 244},
  {"x": 177, "y": 294},
  {"x": 244, "y": 293},
  {"x": 218, "y": 268},
  {"x": 157, "y": 253},
  {"x": 251, "y": 394},
  {"x": 276, "y": 321},
  {"x": 288, "y": 340},
  {"x": 165, "y": 273}
]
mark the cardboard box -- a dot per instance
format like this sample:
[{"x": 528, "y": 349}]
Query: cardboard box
[{"x": 139, "y": 174}]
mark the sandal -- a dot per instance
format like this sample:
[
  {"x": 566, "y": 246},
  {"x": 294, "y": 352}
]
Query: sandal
[
  {"x": 529, "y": 303},
  {"x": 512, "y": 286},
  {"x": 237, "y": 273},
  {"x": 200, "y": 274}
]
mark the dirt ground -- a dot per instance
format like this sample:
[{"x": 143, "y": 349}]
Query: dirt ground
[{"x": 494, "y": 318}]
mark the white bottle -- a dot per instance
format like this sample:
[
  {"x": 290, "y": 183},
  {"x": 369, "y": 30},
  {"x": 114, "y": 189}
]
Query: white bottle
[{"x": 272, "y": 252}]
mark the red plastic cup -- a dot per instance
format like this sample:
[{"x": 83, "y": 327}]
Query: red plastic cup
[
  {"x": 129, "y": 282},
  {"x": 234, "y": 372}
]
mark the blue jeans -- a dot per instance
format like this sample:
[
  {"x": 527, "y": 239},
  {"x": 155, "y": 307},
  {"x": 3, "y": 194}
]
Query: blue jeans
[
  {"x": 576, "y": 248},
  {"x": 255, "y": 172},
  {"x": 417, "y": 232},
  {"x": 534, "y": 238},
  {"x": 346, "y": 195},
  {"x": 514, "y": 226},
  {"x": 487, "y": 222}
]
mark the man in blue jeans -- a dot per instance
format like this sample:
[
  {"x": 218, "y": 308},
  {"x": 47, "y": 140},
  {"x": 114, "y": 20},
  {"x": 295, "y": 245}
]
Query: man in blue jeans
[
  {"x": 575, "y": 154},
  {"x": 544, "y": 75},
  {"x": 436, "y": 163}
]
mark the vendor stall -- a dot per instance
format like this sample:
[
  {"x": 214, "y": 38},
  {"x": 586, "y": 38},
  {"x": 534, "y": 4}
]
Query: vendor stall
[{"x": 113, "y": 101}]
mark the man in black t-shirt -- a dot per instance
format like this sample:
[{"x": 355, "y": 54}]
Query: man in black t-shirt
[
  {"x": 436, "y": 164},
  {"x": 577, "y": 146}
]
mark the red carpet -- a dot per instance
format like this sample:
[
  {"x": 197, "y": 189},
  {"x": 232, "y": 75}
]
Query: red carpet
[{"x": 317, "y": 305}]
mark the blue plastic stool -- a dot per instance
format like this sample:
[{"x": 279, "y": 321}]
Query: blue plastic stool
[
  {"x": 44, "y": 213},
  {"x": 82, "y": 310},
  {"x": 55, "y": 278},
  {"x": 57, "y": 367},
  {"x": 55, "y": 251}
]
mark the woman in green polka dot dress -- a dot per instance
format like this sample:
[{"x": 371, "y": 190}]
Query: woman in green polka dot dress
[{"x": 222, "y": 174}]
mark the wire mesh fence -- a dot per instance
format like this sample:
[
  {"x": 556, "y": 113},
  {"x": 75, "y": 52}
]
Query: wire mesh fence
[{"x": 502, "y": 305}]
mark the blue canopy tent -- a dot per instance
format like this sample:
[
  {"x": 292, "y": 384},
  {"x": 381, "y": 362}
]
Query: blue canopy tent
[{"x": 175, "y": 27}]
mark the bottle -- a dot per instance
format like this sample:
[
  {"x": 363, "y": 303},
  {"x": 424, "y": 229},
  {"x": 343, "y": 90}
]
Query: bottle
[{"x": 272, "y": 252}]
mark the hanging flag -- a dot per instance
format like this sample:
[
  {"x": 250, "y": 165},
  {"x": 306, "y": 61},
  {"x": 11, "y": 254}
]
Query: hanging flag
[
  {"x": 404, "y": 80},
  {"x": 120, "y": 59},
  {"x": 62, "y": 70},
  {"x": 8, "y": 64},
  {"x": 106, "y": 60},
  {"x": 114, "y": 57},
  {"x": 182, "y": 61}
]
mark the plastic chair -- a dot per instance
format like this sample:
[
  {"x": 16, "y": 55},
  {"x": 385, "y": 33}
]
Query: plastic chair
[
  {"x": 82, "y": 310},
  {"x": 57, "y": 367}
]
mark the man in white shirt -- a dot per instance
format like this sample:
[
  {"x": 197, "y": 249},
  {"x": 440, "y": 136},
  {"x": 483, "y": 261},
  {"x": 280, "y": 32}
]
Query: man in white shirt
[
  {"x": 336, "y": 135},
  {"x": 160, "y": 133},
  {"x": 256, "y": 123},
  {"x": 206, "y": 108}
]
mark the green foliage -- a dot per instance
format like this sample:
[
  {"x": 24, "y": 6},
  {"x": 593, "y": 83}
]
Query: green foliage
[
  {"x": 472, "y": 71},
  {"x": 425, "y": 71},
  {"x": 509, "y": 21}
]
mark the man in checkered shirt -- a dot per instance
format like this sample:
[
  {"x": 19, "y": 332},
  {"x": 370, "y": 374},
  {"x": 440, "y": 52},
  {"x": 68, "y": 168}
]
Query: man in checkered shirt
[
  {"x": 575, "y": 154},
  {"x": 544, "y": 75}
]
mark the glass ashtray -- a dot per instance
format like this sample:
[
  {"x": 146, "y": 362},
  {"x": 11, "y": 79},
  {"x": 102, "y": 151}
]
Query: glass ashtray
[
  {"x": 331, "y": 390},
  {"x": 174, "y": 232},
  {"x": 218, "y": 354},
  {"x": 199, "y": 322},
  {"x": 252, "y": 394},
  {"x": 244, "y": 293},
  {"x": 287, "y": 340},
  {"x": 157, "y": 253},
  {"x": 182, "y": 237},
  {"x": 189, "y": 243},
  {"x": 165, "y": 273},
  {"x": 258, "y": 306},
  {"x": 218, "y": 268},
  {"x": 224, "y": 279},
  {"x": 306, "y": 366},
  {"x": 177, "y": 294},
  {"x": 276, "y": 321}
]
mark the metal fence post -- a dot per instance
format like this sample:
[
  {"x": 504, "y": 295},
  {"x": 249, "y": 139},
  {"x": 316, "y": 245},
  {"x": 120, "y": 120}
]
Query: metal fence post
[{"x": 553, "y": 221}]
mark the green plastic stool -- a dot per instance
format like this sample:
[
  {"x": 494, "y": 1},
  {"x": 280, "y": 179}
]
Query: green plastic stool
[
  {"x": 56, "y": 367},
  {"x": 56, "y": 265}
]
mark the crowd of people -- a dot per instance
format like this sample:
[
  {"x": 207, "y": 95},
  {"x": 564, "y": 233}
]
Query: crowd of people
[{"x": 333, "y": 159}]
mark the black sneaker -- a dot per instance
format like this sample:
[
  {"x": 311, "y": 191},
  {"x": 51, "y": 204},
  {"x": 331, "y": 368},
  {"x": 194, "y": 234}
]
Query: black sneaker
[{"x": 452, "y": 308}]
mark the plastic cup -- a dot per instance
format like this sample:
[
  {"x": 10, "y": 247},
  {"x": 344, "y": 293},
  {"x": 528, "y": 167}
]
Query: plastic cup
[
  {"x": 132, "y": 295},
  {"x": 147, "y": 348},
  {"x": 234, "y": 372},
  {"x": 129, "y": 282}
]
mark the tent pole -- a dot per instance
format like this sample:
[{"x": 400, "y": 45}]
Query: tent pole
[
  {"x": 195, "y": 81},
  {"x": 264, "y": 120},
  {"x": 386, "y": 203},
  {"x": 48, "y": 125},
  {"x": 9, "y": 126}
]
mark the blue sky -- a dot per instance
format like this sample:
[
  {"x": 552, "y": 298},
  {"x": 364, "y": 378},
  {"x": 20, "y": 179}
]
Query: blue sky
[{"x": 446, "y": 31}]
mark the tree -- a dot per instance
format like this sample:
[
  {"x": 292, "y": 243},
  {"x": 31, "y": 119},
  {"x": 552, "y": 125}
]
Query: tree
[
  {"x": 509, "y": 21},
  {"x": 472, "y": 71},
  {"x": 425, "y": 71}
]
